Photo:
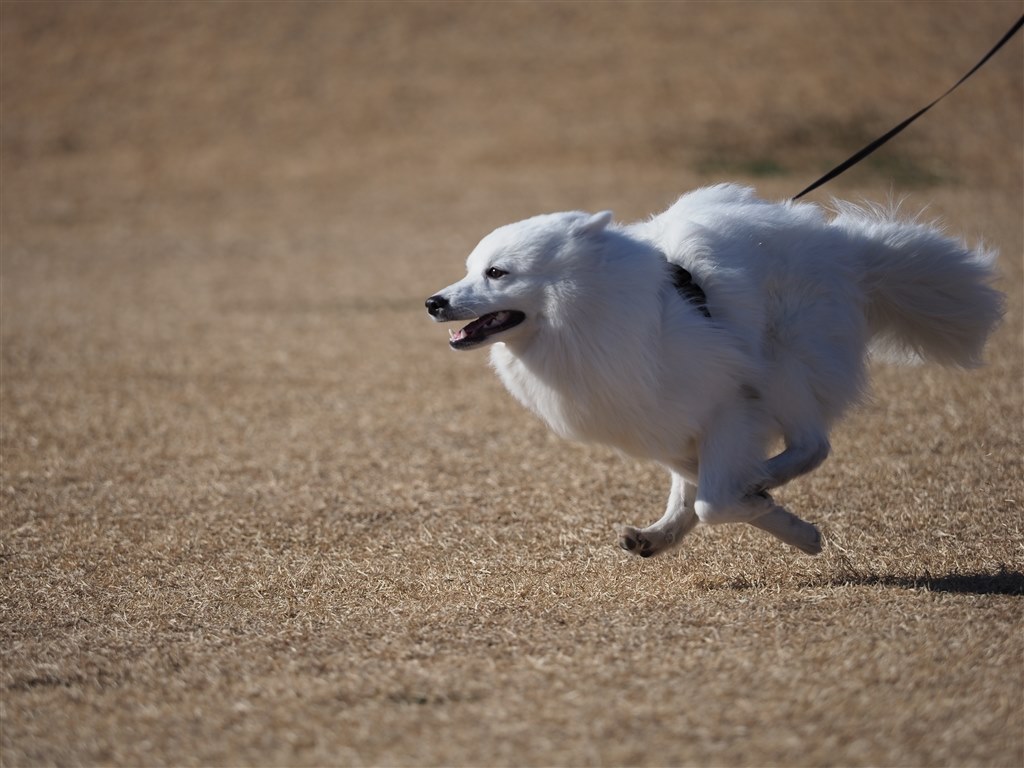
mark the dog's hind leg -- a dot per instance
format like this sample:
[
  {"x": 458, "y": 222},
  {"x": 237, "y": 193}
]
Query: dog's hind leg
[
  {"x": 761, "y": 511},
  {"x": 784, "y": 525},
  {"x": 679, "y": 519},
  {"x": 728, "y": 469},
  {"x": 799, "y": 458}
]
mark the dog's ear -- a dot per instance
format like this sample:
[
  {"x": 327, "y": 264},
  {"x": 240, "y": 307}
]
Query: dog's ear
[{"x": 594, "y": 224}]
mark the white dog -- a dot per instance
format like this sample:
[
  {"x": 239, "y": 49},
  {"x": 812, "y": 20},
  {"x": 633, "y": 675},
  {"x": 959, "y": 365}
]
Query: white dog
[{"x": 714, "y": 330}]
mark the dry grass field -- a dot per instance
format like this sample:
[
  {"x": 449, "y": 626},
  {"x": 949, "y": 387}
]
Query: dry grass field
[{"x": 255, "y": 512}]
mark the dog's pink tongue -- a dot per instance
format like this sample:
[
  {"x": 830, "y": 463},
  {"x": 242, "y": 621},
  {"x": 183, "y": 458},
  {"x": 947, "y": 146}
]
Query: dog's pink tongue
[{"x": 458, "y": 335}]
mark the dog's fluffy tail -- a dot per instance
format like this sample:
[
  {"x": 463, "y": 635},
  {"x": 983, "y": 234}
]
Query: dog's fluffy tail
[{"x": 929, "y": 296}]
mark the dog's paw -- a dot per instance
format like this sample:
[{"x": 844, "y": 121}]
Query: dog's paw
[
  {"x": 635, "y": 541},
  {"x": 814, "y": 542}
]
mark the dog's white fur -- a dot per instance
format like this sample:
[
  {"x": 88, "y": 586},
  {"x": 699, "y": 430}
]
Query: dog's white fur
[{"x": 610, "y": 351}]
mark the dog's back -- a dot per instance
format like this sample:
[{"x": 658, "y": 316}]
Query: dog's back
[{"x": 806, "y": 297}]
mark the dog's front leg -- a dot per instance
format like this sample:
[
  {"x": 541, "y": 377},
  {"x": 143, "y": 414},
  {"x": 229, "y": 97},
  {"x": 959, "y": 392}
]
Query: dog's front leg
[{"x": 679, "y": 519}]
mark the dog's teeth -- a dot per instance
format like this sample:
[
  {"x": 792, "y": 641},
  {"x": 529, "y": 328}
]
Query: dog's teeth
[{"x": 451, "y": 334}]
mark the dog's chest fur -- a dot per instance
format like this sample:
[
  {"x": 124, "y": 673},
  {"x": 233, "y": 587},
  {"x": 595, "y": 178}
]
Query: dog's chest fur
[{"x": 592, "y": 403}]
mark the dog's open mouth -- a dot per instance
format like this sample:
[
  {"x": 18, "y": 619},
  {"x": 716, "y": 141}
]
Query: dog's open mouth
[{"x": 484, "y": 327}]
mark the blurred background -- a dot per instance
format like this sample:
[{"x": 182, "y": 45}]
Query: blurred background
[{"x": 359, "y": 131}]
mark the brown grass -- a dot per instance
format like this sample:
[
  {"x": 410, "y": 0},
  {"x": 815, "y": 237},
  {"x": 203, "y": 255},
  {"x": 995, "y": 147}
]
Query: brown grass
[{"x": 254, "y": 512}]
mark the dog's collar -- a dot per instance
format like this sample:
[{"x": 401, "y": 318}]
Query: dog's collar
[{"x": 689, "y": 290}]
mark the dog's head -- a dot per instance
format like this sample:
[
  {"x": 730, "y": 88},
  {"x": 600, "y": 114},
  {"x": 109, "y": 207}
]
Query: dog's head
[{"x": 513, "y": 277}]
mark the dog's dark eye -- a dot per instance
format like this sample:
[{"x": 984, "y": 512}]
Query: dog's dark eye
[{"x": 494, "y": 273}]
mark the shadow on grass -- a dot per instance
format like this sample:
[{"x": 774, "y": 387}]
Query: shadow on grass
[{"x": 1002, "y": 582}]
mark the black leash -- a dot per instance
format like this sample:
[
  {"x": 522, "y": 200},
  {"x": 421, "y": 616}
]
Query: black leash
[{"x": 880, "y": 141}]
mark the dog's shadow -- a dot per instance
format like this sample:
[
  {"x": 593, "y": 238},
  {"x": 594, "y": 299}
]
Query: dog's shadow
[{"x": 1001, "y": 582}]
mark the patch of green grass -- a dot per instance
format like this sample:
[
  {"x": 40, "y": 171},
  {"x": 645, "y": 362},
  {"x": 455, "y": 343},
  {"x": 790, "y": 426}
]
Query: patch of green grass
[
  {"x": 905, "y": 170},
  {"x": 759, "y": 166}
]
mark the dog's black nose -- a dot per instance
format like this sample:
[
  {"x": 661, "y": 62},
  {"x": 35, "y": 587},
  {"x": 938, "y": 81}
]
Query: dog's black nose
[{"x": 435, "y": 304}]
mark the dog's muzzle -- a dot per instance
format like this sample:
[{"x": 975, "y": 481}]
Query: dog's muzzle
[{"x": 479, "y": 330}]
